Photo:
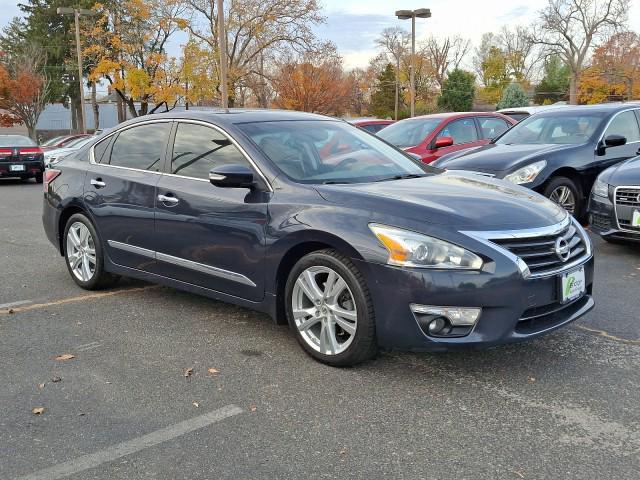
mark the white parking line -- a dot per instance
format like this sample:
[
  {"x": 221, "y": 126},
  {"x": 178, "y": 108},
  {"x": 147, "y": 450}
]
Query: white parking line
[
  {"x": 14, "y": 304},
  {"x": 109, "y": 454}
]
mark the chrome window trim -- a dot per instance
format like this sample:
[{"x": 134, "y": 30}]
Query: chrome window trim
[
  {"x": 182, "y": 262},
  {"x": 233, "y": 141},
  {"x": 92, "y": 158},
  {"x": 615, "y": 206},
  {"x": 630, "y": 109},
  {"x": 486, "y": 236},
  {"x": 483, "y": 174}
]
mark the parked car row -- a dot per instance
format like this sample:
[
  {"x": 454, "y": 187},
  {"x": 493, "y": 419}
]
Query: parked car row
[{"x": 354, "y": 243}]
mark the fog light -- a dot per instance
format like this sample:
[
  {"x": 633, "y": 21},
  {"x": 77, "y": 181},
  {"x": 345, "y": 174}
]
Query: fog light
[
  {"x": 457, "y": 316},
  {"x": 437, "y": 325}
]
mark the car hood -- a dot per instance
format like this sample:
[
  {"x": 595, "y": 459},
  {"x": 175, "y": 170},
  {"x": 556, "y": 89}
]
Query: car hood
[
  {"x": 626, "y": 173},
  {"x": 494, "y": 158},
  {"x": 459, "y": 200}
]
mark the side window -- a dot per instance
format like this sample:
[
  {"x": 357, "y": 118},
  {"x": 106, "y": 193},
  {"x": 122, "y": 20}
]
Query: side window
[
  {"x": 141, "y": 147},
  {"x": 624, "y": 124},
  {"x": 198, "y": 149},
  {"x": 492, "y": 127},
  {"x": 99, "y": 149},
  {"x": 462, "y": 131}
]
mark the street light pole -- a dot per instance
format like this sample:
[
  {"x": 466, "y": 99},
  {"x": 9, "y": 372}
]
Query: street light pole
[
  {"x": 222, "y": 41},
  {"x": 406, "y": 15},
  {"x": 77, "y": 12}
]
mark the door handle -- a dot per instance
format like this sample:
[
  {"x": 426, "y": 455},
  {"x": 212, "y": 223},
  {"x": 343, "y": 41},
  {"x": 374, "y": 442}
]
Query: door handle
[
  {"x": 98, "y": 183},
  {"x": 168, "y": 199}
]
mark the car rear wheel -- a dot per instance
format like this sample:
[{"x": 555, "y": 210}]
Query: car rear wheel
[
  {"x": 329, "y": 309},
  {"x": 83, "y": 254},
  {"x": 566, "y": 193}
]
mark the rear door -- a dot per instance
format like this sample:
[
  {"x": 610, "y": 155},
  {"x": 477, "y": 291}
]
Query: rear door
[
  {"x": 209, "y": 236},
  {"x": 491, "y": 127},
  {"x": 120, "y": 191}
]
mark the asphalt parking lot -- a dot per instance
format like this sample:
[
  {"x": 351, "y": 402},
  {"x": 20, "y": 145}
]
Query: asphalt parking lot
[{"x": 253, "y": 405}]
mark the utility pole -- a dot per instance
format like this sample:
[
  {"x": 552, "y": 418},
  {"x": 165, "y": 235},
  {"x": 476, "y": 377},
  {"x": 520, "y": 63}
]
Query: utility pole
[
  {"x": 77, "y": 12},
  {"x": 222, "y": 41}
]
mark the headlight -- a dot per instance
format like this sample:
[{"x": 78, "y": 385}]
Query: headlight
[
  {"x": 526, "y": 174},
  {"x": 601, "y": 188},
  {"x": 411, "y": 249}
]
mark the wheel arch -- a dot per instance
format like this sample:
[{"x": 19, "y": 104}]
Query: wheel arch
[
  {"x": 570, "y": 173},
  {"x": 297, "y": 247},
  {"x": 65, "y": 215}
]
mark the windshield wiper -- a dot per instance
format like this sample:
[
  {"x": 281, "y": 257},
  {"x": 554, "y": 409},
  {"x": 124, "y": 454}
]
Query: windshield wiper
[
  {"x": 403, "y": 177},
  {"x": 335, "y": 182}
]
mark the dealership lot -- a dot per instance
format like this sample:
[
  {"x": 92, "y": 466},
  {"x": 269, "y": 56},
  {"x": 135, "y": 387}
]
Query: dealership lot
[{"x": 563, "y": 406}]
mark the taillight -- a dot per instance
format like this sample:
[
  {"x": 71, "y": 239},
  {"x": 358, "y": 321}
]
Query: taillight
[
  {"x": 30, "y": 151},
  {"x": 5, "y": 151},
  {"x": 50, "y": 174}
]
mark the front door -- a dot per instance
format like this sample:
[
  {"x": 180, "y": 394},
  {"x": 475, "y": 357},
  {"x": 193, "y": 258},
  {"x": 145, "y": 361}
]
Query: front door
[
  {"x": 625, "y": 124},
  {"x": 120, "y": 191},
  {"x": 209, "y": 236},
  {"x": 464, "y": 134}
]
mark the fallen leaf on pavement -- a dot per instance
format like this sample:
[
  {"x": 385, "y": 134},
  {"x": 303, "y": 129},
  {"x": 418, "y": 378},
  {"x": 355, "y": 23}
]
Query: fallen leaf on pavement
[
  {"x": 196, "y": 404},
  {"x": 11, "y": 310},
  {"x": 213, "y": 371},
  {"x": 82, "y": 414},
  {"x": 253, "y": 408},
  {"x": 65, "y": 356},
  {"x": 41, "y": 386},
  {"x": 56, "y": 379},
  {"x": 531, "y": 380},
  {"x": 343, "y": 451},
  {"x": 38, "y": 410},
  {"x": 188, "y": 372}
]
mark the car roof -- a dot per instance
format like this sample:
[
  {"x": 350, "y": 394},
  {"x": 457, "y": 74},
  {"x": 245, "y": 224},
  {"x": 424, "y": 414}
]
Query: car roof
[
  {"x": 235, "y": 116},
  {"x": 600, "y": 107},
  {"x": 370, "y": 121}
]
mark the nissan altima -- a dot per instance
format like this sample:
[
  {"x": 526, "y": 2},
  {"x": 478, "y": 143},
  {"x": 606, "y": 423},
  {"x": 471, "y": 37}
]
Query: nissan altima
[{"x": 357, "y": 250}]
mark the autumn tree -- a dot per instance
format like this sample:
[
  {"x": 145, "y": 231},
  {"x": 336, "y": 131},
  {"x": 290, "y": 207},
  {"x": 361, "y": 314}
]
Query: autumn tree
[
  {"x": 129, "y": 44},
  {"x": 253, "y": 29},
  {"x": 614, "y": 73},
  {"x": 394, "y": 43},
  {"x": 492, "y": 67},
  {"x": 445, "y": 54},
  {"x": 24, "y": 90},
  {"x": 313, "y": 84},
  {"x": 570, "y": 28},
  {"x": 458, "y": 91},
  {"x": 521, "y": 52}
]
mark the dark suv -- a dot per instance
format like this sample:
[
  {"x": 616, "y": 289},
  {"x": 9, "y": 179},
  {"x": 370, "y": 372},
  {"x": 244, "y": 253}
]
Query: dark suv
[{"x": 356, "y": 249}]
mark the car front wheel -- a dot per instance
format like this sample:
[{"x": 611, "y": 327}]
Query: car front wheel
[
  {"x": 329, "y": 309},
  {"x": 83, "y": 254},
  {"x": 566, "y": 193}
]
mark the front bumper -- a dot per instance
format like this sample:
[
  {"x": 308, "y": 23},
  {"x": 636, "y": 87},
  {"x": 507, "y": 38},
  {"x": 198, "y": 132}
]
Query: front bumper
[
  {"x": 602, "y": 220},
  {"x": 31, "y": 169},
  {"x": 513, "y": 308}
]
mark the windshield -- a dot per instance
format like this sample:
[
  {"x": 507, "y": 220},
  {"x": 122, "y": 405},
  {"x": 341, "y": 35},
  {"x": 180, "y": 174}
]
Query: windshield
[
  {"x": 409, "y": 133},
  {"x": 77, "y": 142},
  {"x": 317, "y": 151},
  {"x": 16, "y": 141},
  {"x": 52, "y": 141},
  {"x": 553, "y": 128}
]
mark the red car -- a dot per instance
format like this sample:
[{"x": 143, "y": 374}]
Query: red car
[
  {"x": 62, "y": 141},
  {"x": 432, "y": 136},
  {"x": 371, "y": 125}
]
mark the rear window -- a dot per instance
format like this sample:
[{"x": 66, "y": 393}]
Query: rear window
[{"x": 16, "y": 141}]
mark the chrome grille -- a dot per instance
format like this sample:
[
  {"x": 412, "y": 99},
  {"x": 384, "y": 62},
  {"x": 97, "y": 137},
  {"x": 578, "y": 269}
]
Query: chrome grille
[
  {"x": 539, "y": 252},
  {"x": 629, "y": 197}
]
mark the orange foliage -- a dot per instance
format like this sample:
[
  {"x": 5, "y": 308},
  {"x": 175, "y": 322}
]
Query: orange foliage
[
  {"x": 20, "y": 96},
  {"x": 614, "y": 73},
  {"x": 320, "y": 88}
]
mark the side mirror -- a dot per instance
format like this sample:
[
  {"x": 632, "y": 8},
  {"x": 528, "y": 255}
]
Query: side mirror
[
  {"x": 232, "y": 176},
  {"x": 611, "y": 141},
  {"x": 444, "y": 142}
]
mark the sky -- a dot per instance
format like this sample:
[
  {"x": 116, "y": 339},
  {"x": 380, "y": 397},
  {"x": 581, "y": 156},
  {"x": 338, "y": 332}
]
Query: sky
[{"x": 354, "y": 24}]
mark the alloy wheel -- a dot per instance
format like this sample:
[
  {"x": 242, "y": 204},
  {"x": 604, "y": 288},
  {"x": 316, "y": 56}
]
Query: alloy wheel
[
  {"x": 324, "y": 310},
  {"x": 564, "y": 197},
  {"x": 81, "y": 252}
]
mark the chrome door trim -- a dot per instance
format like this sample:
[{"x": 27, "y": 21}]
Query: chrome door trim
[
  {"x": 615, "y": 207},
  {"x": 182, "y": 262},
  {"x": 132, "y": 249},
  {"x": 208, "y": 269},
  {"x": 233, "y": 141}
]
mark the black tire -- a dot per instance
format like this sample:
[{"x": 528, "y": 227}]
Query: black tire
[
  {"x": 100, "y": 278},
  {"x": 364, "y": 345},
  {"x": 558, "y": 182},
  {"x": 39, "y": 177}
]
